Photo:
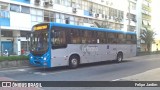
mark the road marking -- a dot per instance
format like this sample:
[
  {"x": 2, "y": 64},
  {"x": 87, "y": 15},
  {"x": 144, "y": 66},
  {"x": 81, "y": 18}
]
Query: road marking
[
  {"x": 10, "y": 69},
  {"x": 37, "y": 72},
  {"x": 22, "y": 70},
  {"x": 115, "y": 80},
  {"x": 43, "y": 74}
]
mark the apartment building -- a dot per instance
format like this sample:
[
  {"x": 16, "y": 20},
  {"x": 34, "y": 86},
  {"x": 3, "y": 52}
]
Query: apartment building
[
  {"x": 143, "y": 20},
  {"x": 18, "y": 16}
]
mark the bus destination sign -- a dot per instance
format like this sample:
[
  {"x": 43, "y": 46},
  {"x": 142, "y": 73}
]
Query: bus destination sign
[{"x": 41, "y": 27}]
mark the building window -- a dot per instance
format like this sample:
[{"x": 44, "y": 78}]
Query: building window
[
  {"x": 66, "y": 3},
  {"x": 46, "y": 16},
  {"x": 57, "y": 17},
  {"x": 75, "y": 3},
  {"x": 133, "y": 6},
  {"x": 15, "y": 8},
  {"x": 71, "y": 20},
  {"x": 85, "y": 20},
  {"x": 58, "y": 1},
  {"x": 4, "y": 12},
  {"x": 24, "y": 45},
  {"x": 111, "y": 13},
  {"x": 24, "y": 33},
  {"x": 80, "y": 21},
  {"x": 36, "y": 16},
  {"x": 25, "y": 9},
  {"x": 100, "y": 9},
  {"x": 4, "y": 6},
  {"x": 49, "y": 16},
  {"x": 106, "y": 12},
  {"x": 62, "y": 18},
  {"x": 7, "y": 33},
  {"x": 85, "y": 5}
]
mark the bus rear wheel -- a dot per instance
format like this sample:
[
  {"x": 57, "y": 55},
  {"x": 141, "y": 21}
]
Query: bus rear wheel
[
  {"x": 73, "y": 62},
  {"x": 119, "y": 57}
]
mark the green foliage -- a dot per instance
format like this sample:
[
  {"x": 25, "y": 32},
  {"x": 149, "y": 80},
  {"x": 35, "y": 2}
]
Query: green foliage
[
  {"x": 148, "y": 37},
  {"x": 12, "y": 58}
]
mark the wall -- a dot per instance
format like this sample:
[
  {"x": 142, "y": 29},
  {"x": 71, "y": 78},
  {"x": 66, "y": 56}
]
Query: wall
[
  {"x": 20, "y": 21},
  {"x": 4, "y": 22},
  {"x": 156, "y": 46}
]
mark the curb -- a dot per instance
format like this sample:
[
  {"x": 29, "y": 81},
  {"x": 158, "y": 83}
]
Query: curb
[
  {"x": 11, "y": 68},
  {"x": 14, "y": 64}
]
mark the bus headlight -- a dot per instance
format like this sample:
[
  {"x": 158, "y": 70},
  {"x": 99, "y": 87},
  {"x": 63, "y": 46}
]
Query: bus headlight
[
  {"x": 31, "y": 57},
  {"x": 44, "y": 58}
]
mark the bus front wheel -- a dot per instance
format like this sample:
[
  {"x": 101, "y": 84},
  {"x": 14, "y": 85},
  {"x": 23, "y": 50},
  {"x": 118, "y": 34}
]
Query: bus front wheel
[{"x": 73, "y": 61}]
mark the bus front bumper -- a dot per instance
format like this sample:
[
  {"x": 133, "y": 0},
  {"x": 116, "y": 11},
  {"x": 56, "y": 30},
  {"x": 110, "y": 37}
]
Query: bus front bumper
[{"x": 38, "y": 61}]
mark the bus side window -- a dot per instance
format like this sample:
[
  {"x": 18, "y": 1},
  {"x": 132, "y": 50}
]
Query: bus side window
[
  {"x": 128, "y": 39},
  {"x": 84, "y": 38},
  {"x": 58, "y": 38},
  {"x": 112, "y": 38},
  {"x": 120, "y": 38},
  {"x": 101, "y": 37},
  {"x": 75, "y": 36},
  {"x": 134, "y": 41}
]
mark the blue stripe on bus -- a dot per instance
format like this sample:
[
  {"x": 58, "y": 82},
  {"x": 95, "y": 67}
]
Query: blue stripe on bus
[{"x": 89, "y": 28}]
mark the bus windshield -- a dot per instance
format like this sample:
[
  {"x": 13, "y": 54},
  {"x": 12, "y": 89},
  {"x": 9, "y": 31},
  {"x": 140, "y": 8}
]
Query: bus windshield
[{"x": 39, "y": 42}]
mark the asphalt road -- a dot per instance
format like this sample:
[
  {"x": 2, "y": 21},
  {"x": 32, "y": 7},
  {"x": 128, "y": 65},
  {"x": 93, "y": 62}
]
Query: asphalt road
[{"x": 105, "y": 71}]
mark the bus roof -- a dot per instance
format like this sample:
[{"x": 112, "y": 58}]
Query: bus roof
[{"x": 89, "y": 28}]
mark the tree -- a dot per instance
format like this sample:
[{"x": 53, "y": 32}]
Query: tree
[{"x": 148, "y": 36}]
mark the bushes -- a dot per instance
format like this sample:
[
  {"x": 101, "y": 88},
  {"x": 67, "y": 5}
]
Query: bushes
[{"x": 13, "y": 58}]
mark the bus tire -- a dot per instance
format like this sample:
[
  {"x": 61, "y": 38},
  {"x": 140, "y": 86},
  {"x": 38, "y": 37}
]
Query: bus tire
[
  {"x": 74, "y": 61},
  {"x": 119, "y": 57}
]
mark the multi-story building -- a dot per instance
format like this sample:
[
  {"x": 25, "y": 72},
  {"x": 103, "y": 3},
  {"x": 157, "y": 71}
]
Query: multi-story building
[
  {"x": 143, "y": 20},
  {"x": 18, "y": 16}
]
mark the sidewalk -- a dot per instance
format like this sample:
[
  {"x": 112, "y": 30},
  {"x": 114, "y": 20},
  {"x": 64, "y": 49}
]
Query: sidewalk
[{"x": 150, "y": 75}]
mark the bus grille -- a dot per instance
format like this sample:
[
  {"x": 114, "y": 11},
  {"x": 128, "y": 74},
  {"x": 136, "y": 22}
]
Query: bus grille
[
  {"x": 37, "y": 62},
  {"x": 37, "y": 58}
]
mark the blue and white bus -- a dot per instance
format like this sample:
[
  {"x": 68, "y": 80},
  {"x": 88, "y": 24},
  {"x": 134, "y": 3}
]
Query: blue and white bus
[{"x": 54, "y": 44}]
